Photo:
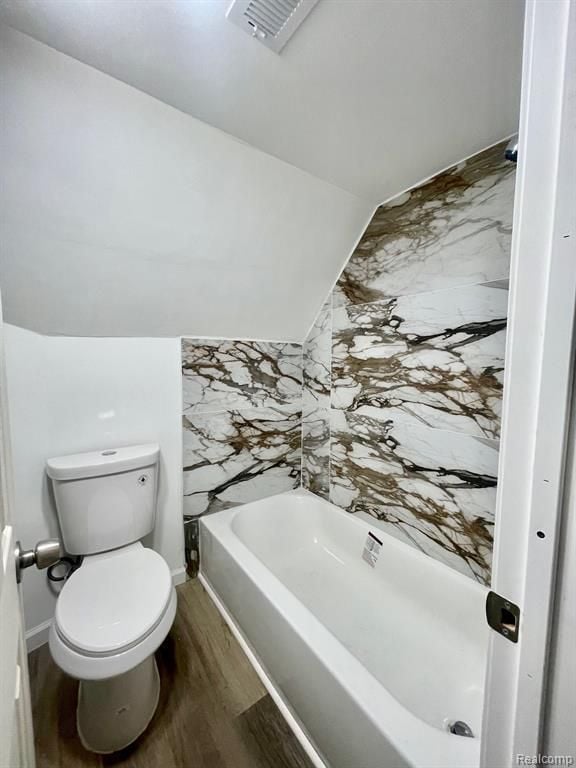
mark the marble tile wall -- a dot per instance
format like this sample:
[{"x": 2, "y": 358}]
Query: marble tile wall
[
  {"x": 403, "y": 366},
  {"x": 242, "y": 422},
  {"x": 316, "y": 404}
]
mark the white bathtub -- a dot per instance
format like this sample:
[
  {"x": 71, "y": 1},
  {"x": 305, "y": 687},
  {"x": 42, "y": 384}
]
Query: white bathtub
[{"x": 373, "y": 662}]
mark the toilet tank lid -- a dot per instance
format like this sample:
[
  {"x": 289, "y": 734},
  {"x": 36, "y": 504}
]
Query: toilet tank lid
[{"x": 108, "y": 461}]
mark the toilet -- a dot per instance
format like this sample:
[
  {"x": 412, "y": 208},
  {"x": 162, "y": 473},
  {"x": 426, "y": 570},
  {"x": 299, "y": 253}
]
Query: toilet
[{"x": 116, "y": 609}]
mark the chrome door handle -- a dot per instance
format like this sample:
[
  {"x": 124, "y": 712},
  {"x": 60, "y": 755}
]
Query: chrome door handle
[{"x": 44, "y": 554}]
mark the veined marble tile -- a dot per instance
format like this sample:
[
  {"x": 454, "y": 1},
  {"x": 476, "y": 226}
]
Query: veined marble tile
[
  {"x": 232, "y": 457},
  {"x": 438, "y": 358},
  {"x": 433, "y": 489},
  {"x": 218, "y": 375},
  {"x": 316, "y": 353},
  {"x": 316, "y": 451},
  {"x": 454, "y": 229}
]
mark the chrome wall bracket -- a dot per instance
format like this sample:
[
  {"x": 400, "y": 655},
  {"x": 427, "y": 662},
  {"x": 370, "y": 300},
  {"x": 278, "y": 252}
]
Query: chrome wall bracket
[{"x": 192, "y": 546}]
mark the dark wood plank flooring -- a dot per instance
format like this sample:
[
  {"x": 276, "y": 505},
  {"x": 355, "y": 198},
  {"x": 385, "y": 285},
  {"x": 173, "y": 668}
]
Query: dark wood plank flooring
[{"x": 213, "y": 710}]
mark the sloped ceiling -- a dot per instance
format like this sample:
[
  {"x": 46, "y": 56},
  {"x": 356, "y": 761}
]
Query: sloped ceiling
[
  {"x": 121, "y": 216},
  {"x": 226, "y": 204},
  {"x": 370, "y": 95}
]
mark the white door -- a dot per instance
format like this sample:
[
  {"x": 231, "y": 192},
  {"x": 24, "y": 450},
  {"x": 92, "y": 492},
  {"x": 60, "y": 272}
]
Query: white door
[
  {"x": 538, "y": 388},
  {"x": 16, "y": 735}
]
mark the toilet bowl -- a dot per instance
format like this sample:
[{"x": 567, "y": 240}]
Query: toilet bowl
[
  {"x": 116, "y": 609},
  {"x": 112, "y": 614}
]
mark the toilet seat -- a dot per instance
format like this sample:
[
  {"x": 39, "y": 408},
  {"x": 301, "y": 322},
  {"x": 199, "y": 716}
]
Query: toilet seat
[
  {"x": 112, "y": 612},
  {"x": 113, "y": 600}
]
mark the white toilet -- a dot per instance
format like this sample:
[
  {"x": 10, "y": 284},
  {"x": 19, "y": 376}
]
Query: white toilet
[{"x": 117, "y": 608}]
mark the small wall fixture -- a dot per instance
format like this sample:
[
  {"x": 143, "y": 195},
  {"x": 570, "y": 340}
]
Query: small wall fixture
[{"x": 271, "y": 22}]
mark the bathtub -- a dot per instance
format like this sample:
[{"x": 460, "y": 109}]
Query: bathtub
[{"x": 370, "y": 659}]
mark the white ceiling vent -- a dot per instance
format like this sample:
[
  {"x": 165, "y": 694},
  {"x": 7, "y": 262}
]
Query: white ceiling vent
[{"x": 272, "y": 22}]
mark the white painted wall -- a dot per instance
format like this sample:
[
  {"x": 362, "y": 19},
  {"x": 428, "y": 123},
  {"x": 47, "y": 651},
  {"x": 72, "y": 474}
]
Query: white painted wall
[
  {"x": 122, "y": 216},
  {"x": 67, "y": 395}
]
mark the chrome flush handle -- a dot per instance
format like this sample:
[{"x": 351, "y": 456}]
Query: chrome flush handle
[{"x": 44, "y": 554}]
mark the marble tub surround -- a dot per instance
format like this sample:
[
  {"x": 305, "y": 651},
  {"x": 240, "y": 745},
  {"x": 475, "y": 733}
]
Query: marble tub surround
[
  {"x": 431, "y": 488},
  {"x": 218, "y": 374},
  {"x": 232, "y": 457},
  {"x": 242, "y": 421},
  {"x": 316, "y": 404},
  {"x": 316, "y": 451},
  {"x": 436, "y": 358},
  {"x": 452, "y": 230},
  {"x": 316, "y": 359},
  {"x": 408, "y": 434}
]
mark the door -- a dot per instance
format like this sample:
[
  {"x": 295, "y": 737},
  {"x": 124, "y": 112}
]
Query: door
[
  {"x": 538, "y": 389},
  {"x": 16, "y": 735}
]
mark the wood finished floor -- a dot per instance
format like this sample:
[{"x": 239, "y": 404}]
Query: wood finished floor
[{"x": 213, "y": 710}]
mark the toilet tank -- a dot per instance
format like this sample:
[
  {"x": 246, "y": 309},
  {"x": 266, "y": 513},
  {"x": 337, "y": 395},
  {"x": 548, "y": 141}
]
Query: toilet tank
[{"x": 105, "y": 499}]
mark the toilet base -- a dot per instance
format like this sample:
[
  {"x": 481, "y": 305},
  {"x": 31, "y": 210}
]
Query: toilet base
[{"x": 113, "y": 713}]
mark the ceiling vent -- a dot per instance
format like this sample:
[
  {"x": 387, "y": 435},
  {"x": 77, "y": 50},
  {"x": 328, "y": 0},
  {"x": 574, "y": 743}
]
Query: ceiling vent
[{"x": 272, "y": 22}]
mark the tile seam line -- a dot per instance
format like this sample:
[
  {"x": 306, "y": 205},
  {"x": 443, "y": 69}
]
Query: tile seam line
[
  {"x": 296, "y": 405},
  {"x": 459, "y": 287},
  {"x": 426, "y": 427}
]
